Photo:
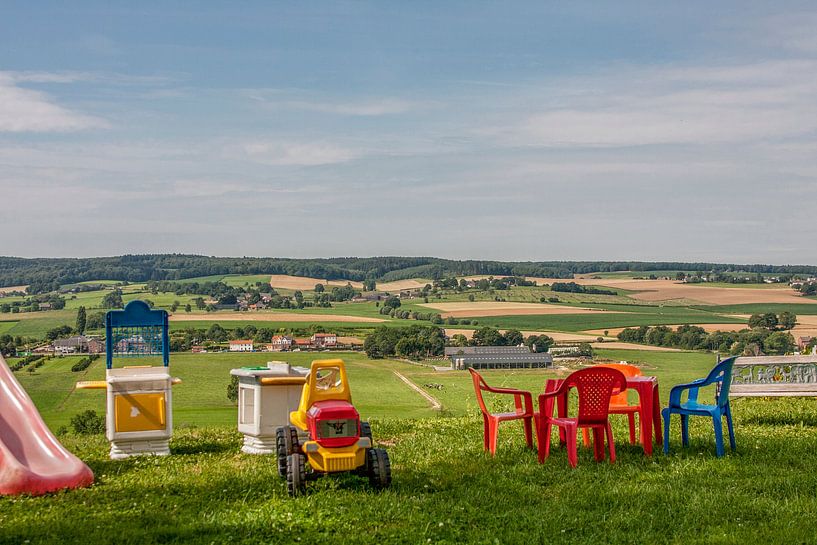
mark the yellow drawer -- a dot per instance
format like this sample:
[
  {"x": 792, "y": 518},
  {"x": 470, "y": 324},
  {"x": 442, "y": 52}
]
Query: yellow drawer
[{"x": 139, "y": 412}]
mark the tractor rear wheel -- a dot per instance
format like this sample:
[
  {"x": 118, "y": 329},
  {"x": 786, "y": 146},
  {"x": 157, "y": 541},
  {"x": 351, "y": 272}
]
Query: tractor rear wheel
[
  {"x": 286, "y": 443},
  {"x": 296, "y": 474},
  {"x": 379, "y": 467}
]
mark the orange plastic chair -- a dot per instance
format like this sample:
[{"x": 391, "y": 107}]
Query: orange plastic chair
[
  {"x": 595, "y": 386},
  {"x": 619, "y": 403},
  {"x": 524, "y": 411}
]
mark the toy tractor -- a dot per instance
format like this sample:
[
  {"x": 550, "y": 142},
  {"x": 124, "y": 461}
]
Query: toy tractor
[{"x": 327, "y": 434}]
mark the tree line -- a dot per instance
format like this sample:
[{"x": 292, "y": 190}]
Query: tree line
[
  {"x": 48, "y": 274},
  {"x": 768, "y": 334}
]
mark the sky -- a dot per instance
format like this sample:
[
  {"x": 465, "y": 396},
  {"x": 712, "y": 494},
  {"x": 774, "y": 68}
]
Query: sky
[{"x": 531, "y": 131}]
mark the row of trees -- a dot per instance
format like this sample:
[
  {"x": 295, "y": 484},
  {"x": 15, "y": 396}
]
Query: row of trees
[
  {"x": 784, "y": 321},
  {"x": 483, "y": 284},
  {"x": 416, "y": 341},
  {"x": 572, "y": 287},
  {"x": 32, "y": 304},
  {"x": 748, "y": 342},
  {"x": 491, "y": 336}
]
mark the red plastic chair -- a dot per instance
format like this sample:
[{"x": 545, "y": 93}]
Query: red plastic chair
[
  {"x": 619, "y": 403},
  {"x": 524, "y": 411},
  {"x": 595, "y": 386}
]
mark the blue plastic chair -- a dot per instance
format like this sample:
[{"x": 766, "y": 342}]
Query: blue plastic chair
[{"x": 722, "y": 375}]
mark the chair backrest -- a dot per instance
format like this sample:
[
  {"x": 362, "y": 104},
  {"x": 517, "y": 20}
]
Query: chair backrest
[
  {"x": 722, "y": 373},
  {"x": 595, "y": 386},
  {"x": 628, "y": 371},
  {"x": 479, "y": 385}
]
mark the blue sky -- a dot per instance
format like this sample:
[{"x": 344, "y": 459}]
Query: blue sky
[{"x": 522, "y": 130}]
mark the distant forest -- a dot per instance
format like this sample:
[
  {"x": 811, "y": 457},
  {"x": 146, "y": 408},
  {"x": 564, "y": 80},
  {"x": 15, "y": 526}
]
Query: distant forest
[{"x": 46, "y": 274}]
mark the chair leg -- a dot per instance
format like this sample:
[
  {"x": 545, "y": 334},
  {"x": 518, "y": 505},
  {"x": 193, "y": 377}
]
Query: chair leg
[
  {"x": 631, "y": 422},
  {"x": 486, "y": 433},
  {"x": 540, "y": 445},
  {"x": 718, "y": 424},
  {"x": 528, "y": 425},
  {"x": 666, "y": 414},
  {"x": 544, "y": 451},
  {"x": 685, "y": 430},
  {"x": 598, "y": 444},
  {"x": 611, "y": 446},
  {"x": 586, "y": 437},
  {"x": 494, "y": 436},
  {"x": 730, "y": 427},
  {"x": 572, "y": 451}
]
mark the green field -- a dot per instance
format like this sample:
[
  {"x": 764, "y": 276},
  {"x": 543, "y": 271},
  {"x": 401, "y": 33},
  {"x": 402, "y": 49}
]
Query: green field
[
  {"x": 6, "y": 326},
  {"x": 602, "y": 320},
  {"x": 760, "y": 308},
  {"x": 445, "y": 488},
  {"x": 201, "y": 399}
]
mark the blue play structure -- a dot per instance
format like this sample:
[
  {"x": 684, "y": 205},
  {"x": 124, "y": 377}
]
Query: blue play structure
[
  {"x": 721, "y": 375},
  {"x": 137, "y": 331}
]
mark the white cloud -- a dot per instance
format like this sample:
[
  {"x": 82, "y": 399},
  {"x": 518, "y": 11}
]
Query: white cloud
[
  {"x": 298, "y": 153},
  {"x": 27, "y": 110},
  {"x": 686, "y": 105},
  {"x": 366, "y": 108},
  {"x": 282, "y": 99}
]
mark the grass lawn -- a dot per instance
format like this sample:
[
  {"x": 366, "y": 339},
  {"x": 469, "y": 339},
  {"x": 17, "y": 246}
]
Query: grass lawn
[{"x": 445, "y": 488}]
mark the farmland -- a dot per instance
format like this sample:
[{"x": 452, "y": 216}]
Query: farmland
[{"x": 635, "y": 302}]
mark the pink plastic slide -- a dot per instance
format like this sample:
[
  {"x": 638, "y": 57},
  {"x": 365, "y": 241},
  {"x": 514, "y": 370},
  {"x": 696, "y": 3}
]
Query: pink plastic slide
[{"x": 32, "y": 461}]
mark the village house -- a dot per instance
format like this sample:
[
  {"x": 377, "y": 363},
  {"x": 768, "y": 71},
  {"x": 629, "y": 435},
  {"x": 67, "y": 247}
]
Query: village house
[
  {"x": 803, "y": 342},
  {"x": 78, "y": 344},
  {"x": 280, "y": 343},
  {"x": 135, "y": 344},
  {"x": 373, "y": 296},
  {"x": 241, "y": 346},
  {"x": 324, "y": 340},
  {"x": 408, "y": 294}
]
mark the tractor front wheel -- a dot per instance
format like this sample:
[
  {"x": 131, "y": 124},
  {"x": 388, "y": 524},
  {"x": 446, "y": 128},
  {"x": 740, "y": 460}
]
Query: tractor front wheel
[
  {"x": 296, "y": 474},
  {"x": 379, "y": 467},
  {"x": 286, "y": 443},
  {"x": 366, "y": 431}
]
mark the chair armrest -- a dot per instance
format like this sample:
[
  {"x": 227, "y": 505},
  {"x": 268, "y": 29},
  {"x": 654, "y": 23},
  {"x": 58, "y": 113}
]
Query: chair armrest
[
  {"x": 678, "y": 390},
  {"x": 512, "y": 391},
  {"x": 547, "y": 399},
  {"x": 520, "y": 397}
]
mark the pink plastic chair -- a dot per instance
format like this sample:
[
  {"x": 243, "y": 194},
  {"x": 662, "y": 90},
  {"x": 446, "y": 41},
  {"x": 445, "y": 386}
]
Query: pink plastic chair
[
  {"x": 595, "y": 386},
  {"x": 524, "y": 411}
]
